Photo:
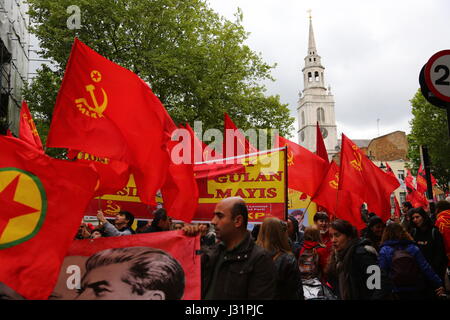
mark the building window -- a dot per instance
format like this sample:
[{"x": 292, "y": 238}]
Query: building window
[
  {"x": 316, "y": 76},
  {"x": 309, "y": 77},
  {"x": 402, "y": 197},
  {"x": 302, "y": 136},
  {"x": 303, "y": 118},
  {"x": 401, "y": 174},
  {"x": 320, "y": 115}
]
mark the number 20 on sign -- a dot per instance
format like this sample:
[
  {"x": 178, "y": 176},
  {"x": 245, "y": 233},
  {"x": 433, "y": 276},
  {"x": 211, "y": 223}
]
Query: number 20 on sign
[{"x": 437, "y": 75}]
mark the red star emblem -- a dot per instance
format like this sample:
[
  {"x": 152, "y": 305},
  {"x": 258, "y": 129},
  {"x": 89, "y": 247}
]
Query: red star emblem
[{"x": 9, "y": 207}]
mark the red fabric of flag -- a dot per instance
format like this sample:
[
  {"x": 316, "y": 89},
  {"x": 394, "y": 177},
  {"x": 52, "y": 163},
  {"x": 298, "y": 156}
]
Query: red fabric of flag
[
  {"x": 305, "y": 169},
  {"x": 179, "y": 191},
  {"x": 113, "y": 174},
  {"x": 235, "y": 143},
  {"x": 321, "y": 150},
  {"x": 339, "y": 203},
  {"x": 42, "y": 202},
  {"x": 109, "y": 112},
  {"x": 27, "y": 128},
  {"x": 361, "y": 176},
  {"x": 409, "y": 180},
  {"x": 421, "y": 180}
]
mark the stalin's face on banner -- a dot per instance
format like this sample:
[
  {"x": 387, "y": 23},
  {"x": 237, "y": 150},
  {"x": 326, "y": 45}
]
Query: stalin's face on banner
[{"x": 133, "y": 273}]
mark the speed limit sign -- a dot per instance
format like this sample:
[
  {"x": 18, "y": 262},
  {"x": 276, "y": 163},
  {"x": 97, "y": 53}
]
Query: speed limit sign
[{"x": 437, "y": 75}]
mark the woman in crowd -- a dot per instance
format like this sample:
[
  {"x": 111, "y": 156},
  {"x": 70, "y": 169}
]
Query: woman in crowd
[
  {"x": 429, "y": 240},
  {"x": 374, "y": 232},
  {"x": 348, "y": 269},
  {"x": 274, "y": 238},
  {"x": 405, "y": 265}
]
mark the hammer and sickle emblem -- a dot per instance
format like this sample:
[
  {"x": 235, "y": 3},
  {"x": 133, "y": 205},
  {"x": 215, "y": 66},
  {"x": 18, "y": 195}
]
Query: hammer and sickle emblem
[
  {"x": 290, "y": 158},
  {"x": 335, "y": 183},
  {"x": 95, "y": 111},
  {"x": 357, "y": 163}
]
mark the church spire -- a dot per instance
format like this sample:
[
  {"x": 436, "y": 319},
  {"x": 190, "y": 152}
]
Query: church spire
[
  {"x": 313, "y": 70},
  {"x": 312, "y": 43}
]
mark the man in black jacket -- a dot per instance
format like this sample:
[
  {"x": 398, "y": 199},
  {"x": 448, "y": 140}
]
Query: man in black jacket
[{"x": 236, "y": 268}]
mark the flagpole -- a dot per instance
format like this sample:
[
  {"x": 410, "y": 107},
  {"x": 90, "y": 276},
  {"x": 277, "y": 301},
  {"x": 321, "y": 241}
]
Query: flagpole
[{"x": 286, "y": 184}]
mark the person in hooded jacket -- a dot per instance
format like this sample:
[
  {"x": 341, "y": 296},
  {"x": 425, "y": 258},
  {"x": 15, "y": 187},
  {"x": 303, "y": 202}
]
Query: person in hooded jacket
[
  {"x": 274, "y": 238},
  {"x": 429, "y": 240},
  {"x": 312, "y": 246},
  {"x": 350, "y": 262},
  {"x": 414, "y": 287},
  {"x": 443, "y": 224}
]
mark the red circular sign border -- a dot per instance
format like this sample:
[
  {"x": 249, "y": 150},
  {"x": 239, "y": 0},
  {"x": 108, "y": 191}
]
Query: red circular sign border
[{"x": 428, "y": 77}]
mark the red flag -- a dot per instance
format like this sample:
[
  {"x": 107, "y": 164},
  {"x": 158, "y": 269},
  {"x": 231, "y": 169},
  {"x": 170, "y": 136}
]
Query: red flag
[
  {"x": 305, "y": 169},
  {"x": 202, "y": 152},
  {"x": 361, "y": 176},
  {"x": 339, "y": 203},
  {"x": 416, "y": 198},
  {"x": 235, "y": 143},
  {"x": 27, "y": 129},
  {"x": 397, "y": 211},
  {"x": 179, "y": 191},
  {"x": 321, "y": 150},
  {"x": 113, "y": 174},
  {"x": 109, "y": 112},
  {"x": 42, "y": 202},
  {"x": 409, "y": 180},
  {"x": 421, "y": 180}
]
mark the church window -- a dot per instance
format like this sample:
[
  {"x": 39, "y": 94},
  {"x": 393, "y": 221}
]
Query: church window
[
  {"x": 309, "y": 76},
  {"x": 320, "y": 115},
  {"x": 303, "y": 118},
  {"x": 316, "y": 76},
  {"x": 314, "y": 59},
  {"x": 302, "y": 136}
]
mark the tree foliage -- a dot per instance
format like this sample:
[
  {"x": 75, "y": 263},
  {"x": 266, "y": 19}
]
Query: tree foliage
[
  {"x": 429, "y": 127},
  {"x": 195, "y": 61}
]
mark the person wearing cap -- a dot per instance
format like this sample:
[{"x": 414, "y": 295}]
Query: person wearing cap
[{"x": 122, "y": 224}]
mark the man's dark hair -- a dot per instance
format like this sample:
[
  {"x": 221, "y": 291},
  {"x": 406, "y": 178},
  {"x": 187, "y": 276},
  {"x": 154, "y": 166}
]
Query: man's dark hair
[
  {"x": 129, "y": 216},
  {"x": 151, "y": 269},
  {"x": 442, "y": 206},
  {"x": 240, "y": 208},
  {"x": 407, "y": 204},
  {"x": 321, "y": 216},
  {"x": 159, "y": 214}
]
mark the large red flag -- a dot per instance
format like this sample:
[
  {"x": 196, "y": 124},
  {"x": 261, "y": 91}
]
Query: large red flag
[
  {"x": 339, "y": 203},
  {"x": 179, "y": 191},
  {"x": 42, "y": 201},
  {"x": 409, "y": 180},
  {"x": 361, "y": 176},
  {"x": 113, "y": 174},
  {"x": 389, "y": 171},
  {"x": 27, "y": 129},
  {"x": 235, "y": 143},
  {"x": 417, "y": 198},
  {"x": 305, "y": 169},
  {"x": 321, "y": 150},
  {"x": 421, "y": 180},
  {"x": 109, "y": 112}
]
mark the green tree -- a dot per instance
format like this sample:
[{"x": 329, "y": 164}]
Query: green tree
[
  {"x": 195, "y": 61},
  {"x": 429, "y": 127}
]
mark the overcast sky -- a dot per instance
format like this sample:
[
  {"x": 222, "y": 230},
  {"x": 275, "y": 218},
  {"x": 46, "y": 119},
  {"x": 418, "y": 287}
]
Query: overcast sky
[{"x": 372, "y": 52}]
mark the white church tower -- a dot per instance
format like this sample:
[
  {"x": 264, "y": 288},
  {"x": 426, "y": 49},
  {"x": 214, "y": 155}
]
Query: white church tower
[{"x": 316, "y": 103}]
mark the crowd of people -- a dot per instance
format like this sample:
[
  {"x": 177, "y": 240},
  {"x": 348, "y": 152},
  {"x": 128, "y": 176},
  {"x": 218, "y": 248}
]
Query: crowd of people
[{"x": 405, "y": 258}]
